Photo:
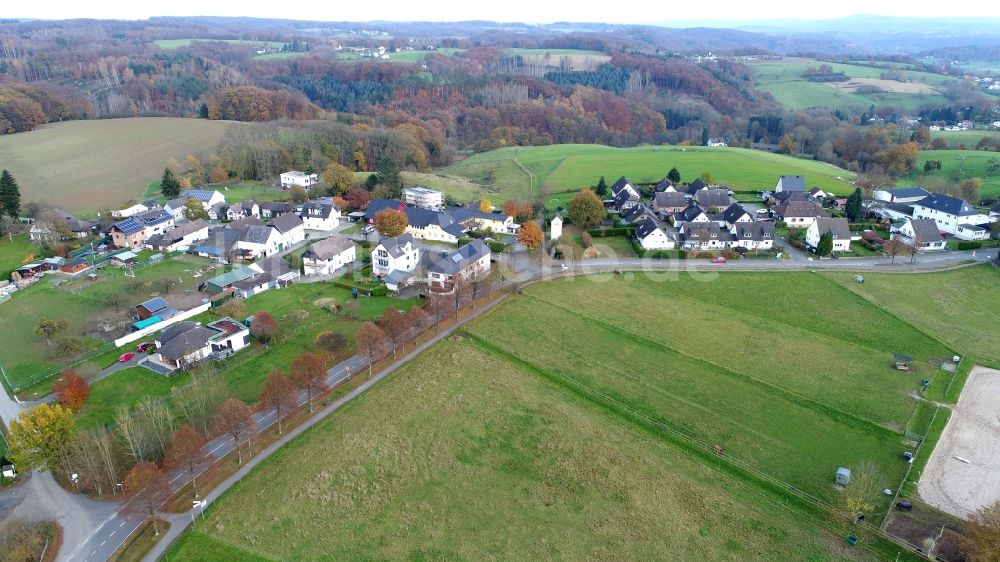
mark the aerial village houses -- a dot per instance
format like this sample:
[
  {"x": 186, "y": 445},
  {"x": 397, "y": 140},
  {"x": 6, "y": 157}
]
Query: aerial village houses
[
  {"x": 652, "y": 237},
  {"x": 326, "y": 256},
  {"x": 256, "y": 241},
  {"x": 186, "y": 343},
  {"x": 320, "y": 216},
  {"x": 75, "y": 228},
  {"x": 291, "y": 230},
  {"x": 424, "y": 198},
  {"x": 838, "y": 228},
  {"x": 180, "y": 237},
  {"x": 207, "y": 197},
  {"x": 467, "y": 262},
  {"x": 135, "y": 209},
  {"x": 394, "y": 260},
  {"x": 624, "y": 195},
  {"x": 790, "y": 183},
  {"x": 799, "y": 214},
  {"x": 135, "y": 230},
  {"x": 272, "y": 209},
  {"x": 954, "y": 216},
  {"x": 669, "y": 202}
]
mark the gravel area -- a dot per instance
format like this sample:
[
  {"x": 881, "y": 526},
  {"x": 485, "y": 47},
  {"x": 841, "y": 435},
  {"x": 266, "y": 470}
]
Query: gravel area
[{"x": 963, "y": 472}]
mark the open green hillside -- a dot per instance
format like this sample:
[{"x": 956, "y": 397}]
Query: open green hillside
[
  {"x": 84, "y": 166},
  {"x": 968, "y": 138},
  {"x": 783, "y": 79},
  {"x": 962, "y": 163},
  {"x": 544, "y": 171}
]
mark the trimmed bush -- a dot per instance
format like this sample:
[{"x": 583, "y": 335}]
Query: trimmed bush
[
  {"x": 618, "y": 231},
  {"x": 969, "y": 244}
]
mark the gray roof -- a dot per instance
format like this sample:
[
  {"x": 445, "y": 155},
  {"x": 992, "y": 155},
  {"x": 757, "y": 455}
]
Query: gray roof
[
  {"x": 185, "y": 342},
  {"x": 637, "y": 213},
  {"x": 377, "y": 205},
  {"x": 276, "y": 207},
  {"x": 203, "y": 195},
  {"x": 450, "y": 263},
  {"x": 183, "y": 230},
  {"x": 713, "y": 198},
  {"x": 705, "y": 231},
  {"x": 695, "y": 186},
  {"x": 839, "y": 227},
  {"x": 175, "y": 330},
  {"x": 619, "y": 185},
  {"x": 244, "y": 223},
  {"x": 946, "y": 204},
  {"x": 274, "y": 265},
  {"x": 793, "y": 183},
  {"x": 255, "y": 234},
  {"x": 801, "y": 209},
  {"x": 175, "y": 203},
  {"x": 784, "y": 196},
  {"x": 624, "y": 196},
  {"x": 154, "y": 304},
  {"x": 669, "y": 200},
  {"x": 395, "y": 245},
  {"x": 462, "y": 214},
  {"x": 734, "y": 213},
  {"x": 926, "y": 230},
  {"x": 645, "y": 228},
  {"x": 326, "y": 249},
  {"x": 320, "y": 210},
  {"x": 663, "y": 186},
  {"x": 690, "y": 213},
  {"x": 755, "y": 231},
  {"x": 287, "y": 222},
  {"x": 907, "y": 192}
]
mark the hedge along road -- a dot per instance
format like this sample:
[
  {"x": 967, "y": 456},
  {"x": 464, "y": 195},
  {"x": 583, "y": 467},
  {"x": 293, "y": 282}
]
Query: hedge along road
[{"x": 116, "y": 529}]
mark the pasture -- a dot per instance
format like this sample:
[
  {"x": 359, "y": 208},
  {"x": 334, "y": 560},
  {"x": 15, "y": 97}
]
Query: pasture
[
  {"x": 126, "y": 386},
  {"x": 956, "y": 139},
  {"x": 86, "y": 166},
  {"x": 962, "y": 163},
  {"x": 783, "y": 80},
  {"x": 474, "y": 457},
  {"x": 15, "y": 252},
  {"x": 547, "y": 171},
  {"x": 958, "y": 307}
]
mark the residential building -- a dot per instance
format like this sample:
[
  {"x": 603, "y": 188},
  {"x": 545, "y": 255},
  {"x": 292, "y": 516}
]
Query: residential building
[
  {"x": 692, "y": 213},
  {"x": 326, "y": 256},
  {"x": 623, "y": 185},
  {"x": 799, "y": 214},
  {"x": 665, "y": 186},
  {"x": 638, "y": 213},
  {"x": 135, "y": 230},
  {"x": 175, "y": 207},
  {"x": 134, "y": 209},
  {"x": 291, "y": 228},
  {"x": 423, "y": 198},
  {"x": 694, "y": 187},
  {"x": 736, "y": 214},
  {"x": 901, "y": 195},
  {"x": 752, "y": 235},
  {"x": 818, "y": 193},
  {"x": 257, "y": 242},
  {"x": 467, "y": 262},
  {"x": 713, "y": 197},
  {"x": 296, "y": 178},
  {"x": 555, "y": 227},
  {"x": 207, "y": 197},
  {"x": 179, "y": 237},
  {"x": 790, "y": 183},
  {"x": 250, "y": 208},
  {"x": 954, "y": 216},
  {"x": 839, "y": 228},
  {"x": 669, "y": 202},
  {"x": 472, "y": 218},
  {"x": 268, "y": 273},
  {"x": 320, "y": 216},
  {"x": 272, "y": 209},
  {"x": 704, "y": 236},
  {"x": 74, "y": 227},
  {"x": 652, "y": 237},
  {"x": 922, "y": 233},
  {"x": 184, "y": 344},
  {"x": 395, "y": 254}
]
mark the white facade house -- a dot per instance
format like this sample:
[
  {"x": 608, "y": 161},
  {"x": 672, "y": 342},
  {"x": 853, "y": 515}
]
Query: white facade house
[
  {"x": 301, "y": 179},
  {"x": 320, "y": 216},
  {"x": 623, "y": 184},
  {"x": 467, "y": 262},
  {"x": 838, "y": 227},
  {"x": 179, "y": 237},
  {"x": 395, "y": 254},
  {"x": 258, "y": 241},
  {"x": 923, "y": 233},
  {"x": 423, "y": 198},
  {"x": 652, "y": 237},
  {"x": 327, "y": 256},
  {"x": 555, "y": 228},
  {"x": 186, "y": 343},
  {"x": 207, "y": 197},
  {"x": 133, "y": 209},
  {"x": 790, "y": 183},
  {"x": 954, "y": 216},
  {"x": 291, "y": 229}
]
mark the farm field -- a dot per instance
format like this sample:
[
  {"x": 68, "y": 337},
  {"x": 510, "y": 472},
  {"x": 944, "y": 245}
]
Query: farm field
[
  {"x": 474, "y": 457},
  {"x": 974, "y": 163},
  {"x": 784, "y": 81},
  {"x": 553, "y": 171},
  {"x": 968, "y": 138},
  {"x": 15, "y": 253},
  {"x": 416, "y": 56},
  {"x": 959, "y": 307},
  {"x": 85, "y": 166}
]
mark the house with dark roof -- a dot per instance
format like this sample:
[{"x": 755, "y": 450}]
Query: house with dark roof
[
  {"x": 799, "y": 214},
  {"x": 752, "y": 235},
  {"x": 922, "y": 233},
  {"x": 954, "y": 216},
  {"x": 638, "y": 213},
  {"x": 154, "y": 307},
  {"x": 901, "y": 195},
  {"x": 291, "y": 229},
  {"x": 399, "y": 254},
  {"x": 713, "y": 197},
  {"x": 838, "y": 227},
  {"x": 704, "y": 236},
  {"x": 433, "y": 225},
  {"x": 669, "y": 202},
  {"x": 186, "y": 343},
  {"x": 790, "y": 183},
  {"x": 320, "y": 216},
  {"x": 272, "y": 209},
  {"x": 257, "y": 241},
  {"x": 817, "y": 193},
  {"x": 75, "y": 228},
  {"x": 694, "y": 187},
  {"x": 326, "y": 256},
  {"x": 175, "y": 207},
  {"x": 735, "y": 214},
  {"x": 133, "y": 231},
  {"x": 664, "y": 186},
  {"x": 471, "y": 218},
  {"x": 467, "y": 262},
  {"x": 179, "y": 237},
  {"x": 219, "y": 244},
  {"x": 692, "y": 213},
  {"x": 623, "y": 185},
  {"x": 652, "y": 237},
  {"x": 625, "y": 199}
]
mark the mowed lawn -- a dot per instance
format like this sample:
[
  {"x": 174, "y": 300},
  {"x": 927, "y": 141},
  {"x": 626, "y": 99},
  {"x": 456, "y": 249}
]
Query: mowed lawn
[
  {"x": 974, "y": 163},
  {"x": 16, "y": 252},
  {"x": 548, "y": 170},
  {"x": 127, "y": 386},
  {"x": 463, "y": 456},
  {"x": 86, "y": 166},
  {"x": 960, "y": 307}
]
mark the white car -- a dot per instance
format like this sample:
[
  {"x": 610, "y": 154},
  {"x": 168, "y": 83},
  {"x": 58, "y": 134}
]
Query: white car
[{"x": 368, "y": 229}]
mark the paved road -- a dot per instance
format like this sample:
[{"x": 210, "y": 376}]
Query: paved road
[{"x": 107, "y": 534}]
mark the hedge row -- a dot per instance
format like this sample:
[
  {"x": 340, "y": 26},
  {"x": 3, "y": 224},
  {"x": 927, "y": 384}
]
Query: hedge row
[
  {"x": 969, "y": 244},
  {"x": 859, "y": 226},
  {"x": 604, "y": 232}
]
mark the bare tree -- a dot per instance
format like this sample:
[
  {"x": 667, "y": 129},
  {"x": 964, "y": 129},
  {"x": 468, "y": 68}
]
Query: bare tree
[
  {"x": 149, "y": 490},
  {"x": 198, "y": 400},
  {"x": 308, "y": 373},
  {"x": 132, "y": 434},
  {"x": 234, "y": 418},
  {"x": 160, "y": 419},
  {"x": 370, "y": 343},
  {"x": 279, "y": 394},
  {"x": 105, "y": 446},
  {"x": 186, "y": 452}
]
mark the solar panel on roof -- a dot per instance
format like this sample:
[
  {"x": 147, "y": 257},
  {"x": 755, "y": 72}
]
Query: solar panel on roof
[{"x": 129, "y": 226}]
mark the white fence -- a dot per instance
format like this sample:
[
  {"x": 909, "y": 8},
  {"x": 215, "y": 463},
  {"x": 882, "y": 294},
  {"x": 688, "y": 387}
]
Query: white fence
[{"x": 161, "y": 325}]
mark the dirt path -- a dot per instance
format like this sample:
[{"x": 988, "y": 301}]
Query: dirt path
[{"x": 963, "y": 472}]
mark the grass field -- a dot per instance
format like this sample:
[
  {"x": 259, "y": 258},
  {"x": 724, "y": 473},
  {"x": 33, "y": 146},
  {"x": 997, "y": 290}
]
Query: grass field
[
  {"x": 784, "y": 81},
  {"x": 416, "y": 56},
  {"x": 959, "y": 307},
  {"x": 968, "y": 138},
  {"x": 15, "y": 253},
  {"x": 548, "y": 171},
  {"x": 123, "y": 387},
  {"x": 84, "y": 166},
  {"x": 473, "y": 457},
  {"x": 178, "y": 43},
  {"x": 974, "y": 164}
]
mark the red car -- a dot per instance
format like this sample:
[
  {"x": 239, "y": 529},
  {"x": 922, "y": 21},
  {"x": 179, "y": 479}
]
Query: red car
[
  {"x": 718, "y": 259},
  {"x": 126, "y": 357},
  {"x": 145, "y": 346}
]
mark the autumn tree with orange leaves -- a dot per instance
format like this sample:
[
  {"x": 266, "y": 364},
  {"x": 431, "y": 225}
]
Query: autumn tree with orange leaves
[
  {"x": 71, "y": 390},
  {"x": 309, "y": 374}
]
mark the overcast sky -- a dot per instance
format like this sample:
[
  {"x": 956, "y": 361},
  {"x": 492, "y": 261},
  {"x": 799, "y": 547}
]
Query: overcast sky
[{"x": 532, "y": 11}]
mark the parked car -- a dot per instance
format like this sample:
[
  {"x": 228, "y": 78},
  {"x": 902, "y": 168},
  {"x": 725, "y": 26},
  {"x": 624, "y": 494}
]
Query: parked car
[
  {"x": 904, "y": 506},
  {"x": 125, "y": 357},
  {"x": 718, "y": 259},
  {"x": 368, "y": 229},
  {"x": 145, "y": 346}
]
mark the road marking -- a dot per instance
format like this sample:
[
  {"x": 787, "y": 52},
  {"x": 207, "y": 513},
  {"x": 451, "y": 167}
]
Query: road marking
[
  {"x": 104, "y": 541},
  {"x": 113, "y": 533}
]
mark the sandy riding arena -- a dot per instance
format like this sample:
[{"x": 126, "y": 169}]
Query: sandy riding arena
[{"x": 963, "y": 473}]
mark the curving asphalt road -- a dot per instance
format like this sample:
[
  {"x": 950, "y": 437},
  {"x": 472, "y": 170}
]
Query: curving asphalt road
[{"x": 96, "y": 529}]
